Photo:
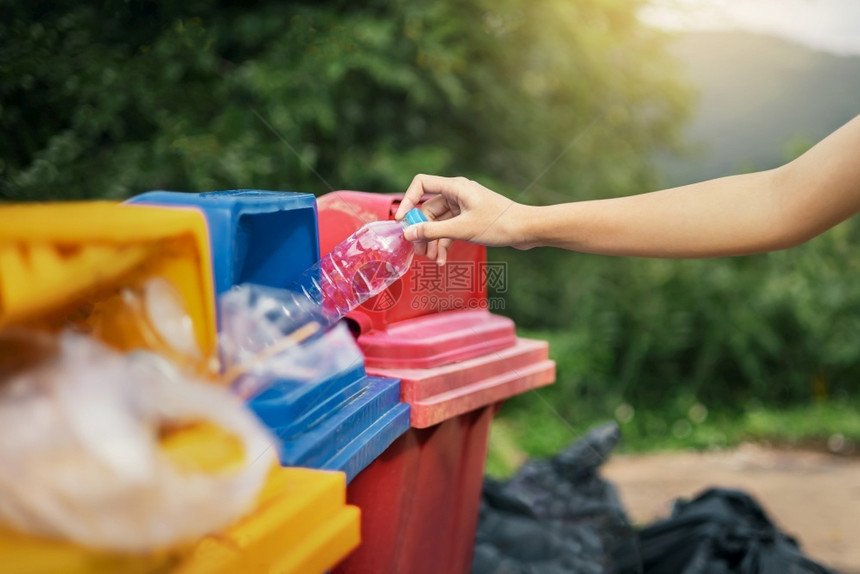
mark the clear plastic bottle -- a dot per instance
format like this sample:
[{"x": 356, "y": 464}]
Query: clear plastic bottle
[
  {"x": 360, "y": 267},
  {"x": 254, "y": 318}
]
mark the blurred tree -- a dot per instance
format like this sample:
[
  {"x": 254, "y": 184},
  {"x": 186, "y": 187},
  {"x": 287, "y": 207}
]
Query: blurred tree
[{"x": 114, "y": 99}]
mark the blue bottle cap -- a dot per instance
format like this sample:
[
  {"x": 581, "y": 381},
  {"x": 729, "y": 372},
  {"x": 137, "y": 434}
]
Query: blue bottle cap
[{"x": 414, "y": 216}]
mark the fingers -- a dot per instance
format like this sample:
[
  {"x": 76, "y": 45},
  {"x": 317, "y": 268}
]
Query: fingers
[
  {"x": 436, "y": 208},
  {"x": 434, "y": 238},
  {"x": 442, "y": 247},
  {"x": 432, "y": 250},
  {"x": 412, "y": 197},
  {"x": 413, "y": 234},
  {"x": 422, "y": 184},
  {"x": 431, "y": 230}
]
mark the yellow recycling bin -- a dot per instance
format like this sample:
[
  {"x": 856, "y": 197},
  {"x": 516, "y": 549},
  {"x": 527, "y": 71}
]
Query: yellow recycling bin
[{"x": 111, "y": 270}]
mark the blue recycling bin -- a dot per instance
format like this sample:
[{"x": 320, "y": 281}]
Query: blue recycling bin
[
  {"x": 270, "y": 238},
  {"x": 263, "y": 237}
]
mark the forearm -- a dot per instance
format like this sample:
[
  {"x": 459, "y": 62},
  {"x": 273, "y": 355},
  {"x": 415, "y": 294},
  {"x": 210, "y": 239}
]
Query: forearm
[{"x": 728, "y": 216}]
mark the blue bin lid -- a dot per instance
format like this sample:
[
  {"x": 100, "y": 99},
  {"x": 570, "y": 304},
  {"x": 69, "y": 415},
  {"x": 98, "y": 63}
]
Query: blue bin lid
[
  {"x": 292, "y": 407},
  {"x": 263, "y": 237},
  {"x": 341, "y": 423}
]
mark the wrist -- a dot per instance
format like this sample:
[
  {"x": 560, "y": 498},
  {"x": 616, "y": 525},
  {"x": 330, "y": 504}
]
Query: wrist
[
  {"x": 525, "y": 226},
  {"x": 562, "y": 225}
]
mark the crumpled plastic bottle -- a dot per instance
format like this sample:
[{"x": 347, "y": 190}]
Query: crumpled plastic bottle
[
  {"x": 255, "y": 320},
  {"x": 360, "y": 267}
]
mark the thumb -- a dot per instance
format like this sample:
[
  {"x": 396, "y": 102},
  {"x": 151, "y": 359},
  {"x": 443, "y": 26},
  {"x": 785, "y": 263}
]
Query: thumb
[{"x": 431, "y": 230}]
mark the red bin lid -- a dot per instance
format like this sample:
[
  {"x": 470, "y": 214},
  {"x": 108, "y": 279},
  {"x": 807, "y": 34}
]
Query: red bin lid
[
  {"x": 441, "y": 393},
  {"x": 437, "y": 339}
]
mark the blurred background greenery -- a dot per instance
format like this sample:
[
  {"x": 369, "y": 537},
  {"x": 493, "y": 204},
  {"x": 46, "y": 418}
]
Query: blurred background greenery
[{"x": 545, "y": 101}]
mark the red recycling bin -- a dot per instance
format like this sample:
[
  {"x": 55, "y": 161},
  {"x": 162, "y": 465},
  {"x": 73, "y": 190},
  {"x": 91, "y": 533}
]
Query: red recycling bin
[
  {"x": 457, "y": 363},
  {"x": 420, "y": 498}
]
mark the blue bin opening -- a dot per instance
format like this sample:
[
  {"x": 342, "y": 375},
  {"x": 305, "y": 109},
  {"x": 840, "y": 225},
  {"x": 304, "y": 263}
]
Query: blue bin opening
[
  {"x": 273, "y": 249},
  {"x": 263, "y": 237}
]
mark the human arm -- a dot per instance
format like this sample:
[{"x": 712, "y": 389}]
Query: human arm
[{"x": 735, "y": 215}]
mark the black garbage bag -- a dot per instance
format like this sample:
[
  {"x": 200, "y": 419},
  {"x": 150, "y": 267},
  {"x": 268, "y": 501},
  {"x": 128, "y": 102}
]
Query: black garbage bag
[
  {"x": 555, "y": 515},
  {"x": 720, "y": 531},
  {"x": 511, "y": 540}
]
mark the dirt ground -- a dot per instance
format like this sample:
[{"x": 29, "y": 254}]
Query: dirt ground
[{"x": 813, "y": 496}]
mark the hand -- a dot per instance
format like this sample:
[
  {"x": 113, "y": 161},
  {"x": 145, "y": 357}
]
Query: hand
[{"x": 463, "y": 209}]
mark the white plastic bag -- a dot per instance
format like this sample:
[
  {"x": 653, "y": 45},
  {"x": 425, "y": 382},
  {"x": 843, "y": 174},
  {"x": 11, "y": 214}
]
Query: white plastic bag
[{"x": 80, "y": 457}]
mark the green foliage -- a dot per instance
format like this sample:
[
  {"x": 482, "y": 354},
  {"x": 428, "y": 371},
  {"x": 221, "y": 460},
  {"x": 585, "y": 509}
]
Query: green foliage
[
  {"x": 114, "y": 100},
  {"x": 780, "y": 328}
]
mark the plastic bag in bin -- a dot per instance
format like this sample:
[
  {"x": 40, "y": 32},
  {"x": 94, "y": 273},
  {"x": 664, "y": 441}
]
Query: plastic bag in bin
[
  {"x": 268, "y": 336},
  {"x": 82, "y": 428}
]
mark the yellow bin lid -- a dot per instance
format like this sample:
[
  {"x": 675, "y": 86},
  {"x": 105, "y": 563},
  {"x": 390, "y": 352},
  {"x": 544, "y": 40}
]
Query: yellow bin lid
[{"x": 64, "y": 263}]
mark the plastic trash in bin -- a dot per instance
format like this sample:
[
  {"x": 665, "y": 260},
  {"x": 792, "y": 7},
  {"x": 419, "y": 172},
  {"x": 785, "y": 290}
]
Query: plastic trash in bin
[
  {"x": 82, "y": 426},
  {"x": 74, "y": 264},
  {"x": 300, "y": 524},
  {"x": 265, "y": 339}
]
